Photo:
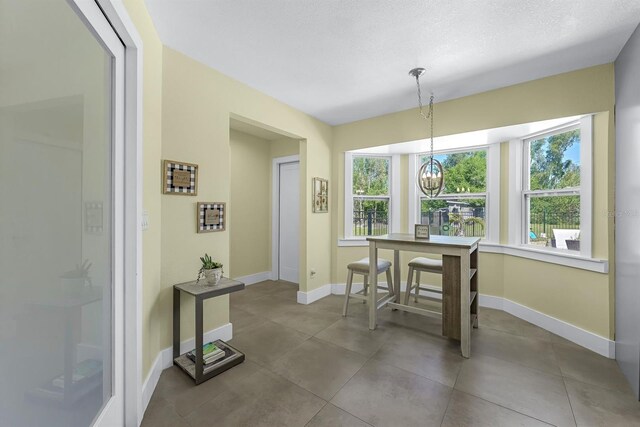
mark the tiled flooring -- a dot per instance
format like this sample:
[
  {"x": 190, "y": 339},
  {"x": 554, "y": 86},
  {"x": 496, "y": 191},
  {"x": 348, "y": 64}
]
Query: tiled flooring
[{"x": 307, "y": 365}]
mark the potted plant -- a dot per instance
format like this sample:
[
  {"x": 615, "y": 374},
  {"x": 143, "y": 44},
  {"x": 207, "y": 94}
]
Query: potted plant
[{"x": 210, "y": 270}]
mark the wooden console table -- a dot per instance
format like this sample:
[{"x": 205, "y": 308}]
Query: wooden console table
[
  {"x": 202, "y": 292},
  {"x": 459, "y": 281}
]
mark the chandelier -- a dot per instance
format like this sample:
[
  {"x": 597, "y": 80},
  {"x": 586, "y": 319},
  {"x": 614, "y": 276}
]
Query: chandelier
[{"x": 431, "y": 174}]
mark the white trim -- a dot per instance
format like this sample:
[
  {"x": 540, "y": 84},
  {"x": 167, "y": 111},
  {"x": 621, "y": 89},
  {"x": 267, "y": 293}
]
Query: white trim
[
  {"x": 492, "y": 201},
  {"x": 586, "y": 182},
  {"x": 122, "y": 24},
  {"x": 313, "y": 295},
  {"x": 593, "y": 342},
  {"x": 412, "y": 194},
  {"x": 275, "y": 211},
  {"x": 394, "y": 196},
  {"x": 164, "y": 360},
  {"x": 515, "y": 190},
  {"x": 252, "y": 279},
  {"x": 348, "y": 195},
  {"x": 579, "y": 336},
  {"x": 353, "y": 242},
  {"x": 550, "y": 255}
]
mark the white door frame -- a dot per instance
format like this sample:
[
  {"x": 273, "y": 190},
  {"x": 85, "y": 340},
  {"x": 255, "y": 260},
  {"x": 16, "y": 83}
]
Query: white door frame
[
  {"x": 128, "y": 171},
  {"x": 275, "y": 212}
]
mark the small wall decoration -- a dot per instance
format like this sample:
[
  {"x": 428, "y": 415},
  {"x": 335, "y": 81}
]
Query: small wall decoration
[
  {"x": 320, "y": 195},
  {"x": 179, "y": 178},
  {"x": 93, "y": 217},
  {"x": 211, "y": 217},
  {"x": 422, "y": 231}
]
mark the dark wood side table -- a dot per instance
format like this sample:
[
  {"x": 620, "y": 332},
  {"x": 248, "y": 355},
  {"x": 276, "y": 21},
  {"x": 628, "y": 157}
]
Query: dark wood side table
[{"x": 202, "y": 292}]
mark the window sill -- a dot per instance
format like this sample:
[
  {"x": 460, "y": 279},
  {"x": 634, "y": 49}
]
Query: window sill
[
  {"x": 548, "y": 255},
  {"x": 353, "y": 242}
]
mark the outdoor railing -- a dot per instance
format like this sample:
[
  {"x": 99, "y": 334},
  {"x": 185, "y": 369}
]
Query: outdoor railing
[{"x": 370, "y": 223}]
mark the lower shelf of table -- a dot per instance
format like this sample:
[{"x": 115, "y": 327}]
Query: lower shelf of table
[{"x": 233, "y": 358}]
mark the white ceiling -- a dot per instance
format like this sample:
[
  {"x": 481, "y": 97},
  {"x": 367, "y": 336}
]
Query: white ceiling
[{"x": 346, "y": 60}]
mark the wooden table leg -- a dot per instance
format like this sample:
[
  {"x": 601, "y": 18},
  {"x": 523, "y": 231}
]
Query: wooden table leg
[
  {"x": 451, "y": 296},
  {"x": 373, "y": 285},
  {"x": 396, "y": 276},
  {"x": 465, "y": 320}
]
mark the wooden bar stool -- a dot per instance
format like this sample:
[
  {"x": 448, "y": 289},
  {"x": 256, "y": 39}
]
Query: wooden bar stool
[
  {"x": 362, "y": 267},
  {"x": 418, "y": 265}
]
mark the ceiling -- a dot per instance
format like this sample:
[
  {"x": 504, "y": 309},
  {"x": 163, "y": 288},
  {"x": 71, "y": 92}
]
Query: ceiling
[{"x": 346, "y": 60}]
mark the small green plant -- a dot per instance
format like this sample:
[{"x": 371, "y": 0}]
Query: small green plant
[{"x": 207, "y": 264}]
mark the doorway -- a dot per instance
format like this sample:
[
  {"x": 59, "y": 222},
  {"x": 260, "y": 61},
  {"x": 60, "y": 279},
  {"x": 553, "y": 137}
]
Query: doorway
[{"x": 286, "y": 219}]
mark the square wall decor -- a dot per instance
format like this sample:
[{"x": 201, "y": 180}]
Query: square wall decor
[
  {"x": 211, "y": 216},
  {"x": 320, "y": 195},
  {"x": 179, "y": 178}
]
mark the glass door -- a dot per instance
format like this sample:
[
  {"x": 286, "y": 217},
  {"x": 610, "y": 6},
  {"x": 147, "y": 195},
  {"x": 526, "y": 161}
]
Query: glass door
[{"x": 61, "y": 202}]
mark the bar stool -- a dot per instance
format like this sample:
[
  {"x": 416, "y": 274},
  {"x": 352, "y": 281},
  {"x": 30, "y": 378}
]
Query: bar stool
[
  {"x": 418, "y": 265},
  {"x": 362, "y": 267}
]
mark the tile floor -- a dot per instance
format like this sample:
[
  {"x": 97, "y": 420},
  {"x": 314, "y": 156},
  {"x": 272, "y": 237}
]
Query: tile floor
[{"x": 307, "y": 365}]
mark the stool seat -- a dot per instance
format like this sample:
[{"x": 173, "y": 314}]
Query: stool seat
[
  {"x": 362, "y": 266},
  {"x": 426, "y": 264}
]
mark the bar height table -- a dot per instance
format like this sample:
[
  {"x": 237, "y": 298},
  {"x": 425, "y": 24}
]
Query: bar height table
[
  {"x": 201, "y": 292},
  {"x": 459, "y": 281}
]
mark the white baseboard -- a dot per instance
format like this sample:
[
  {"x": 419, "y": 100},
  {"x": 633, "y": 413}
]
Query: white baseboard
[
  {"x": 575, "y": 334},
  {"x": 252, "y": 279},
  {"x": 164, "y": 359},
  {"x": 593, "y": 342},
  {"x": 313, "y": 295}
]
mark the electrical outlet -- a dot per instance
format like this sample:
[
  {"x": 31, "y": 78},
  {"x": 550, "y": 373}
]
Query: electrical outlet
[{"x": 145, "y": 220}]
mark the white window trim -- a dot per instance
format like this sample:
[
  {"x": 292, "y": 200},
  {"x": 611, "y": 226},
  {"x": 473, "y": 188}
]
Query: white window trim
[
  {"x": 394, "y": 195},
  {"x": 517, "y": 209},
  {"x": 492, "y": 195}
]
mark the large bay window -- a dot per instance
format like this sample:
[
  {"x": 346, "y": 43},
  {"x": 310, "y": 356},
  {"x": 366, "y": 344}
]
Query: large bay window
[{"x": 551, "y": 189}]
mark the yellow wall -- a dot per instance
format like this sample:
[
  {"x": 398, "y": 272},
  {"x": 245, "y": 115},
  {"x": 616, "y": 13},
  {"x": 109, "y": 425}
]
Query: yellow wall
[
  {"x": 579, "y": 297},
  {"x": 249, "y": 205}
]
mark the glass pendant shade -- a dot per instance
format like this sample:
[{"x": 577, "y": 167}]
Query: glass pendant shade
[{"x": 431, "y": 177}]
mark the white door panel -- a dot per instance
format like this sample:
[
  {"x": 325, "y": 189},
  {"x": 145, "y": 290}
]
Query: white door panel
[{"x": 289, "y": 221}]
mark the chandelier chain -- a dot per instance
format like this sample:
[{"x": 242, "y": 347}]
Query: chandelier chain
[{"x": 429, "y": 115}]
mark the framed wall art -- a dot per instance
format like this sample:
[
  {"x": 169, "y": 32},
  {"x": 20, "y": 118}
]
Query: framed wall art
[
  {"x": 320, "y": 195},
  {"x": 179, "y": 178},
  {"x": 211, "y": 216}
]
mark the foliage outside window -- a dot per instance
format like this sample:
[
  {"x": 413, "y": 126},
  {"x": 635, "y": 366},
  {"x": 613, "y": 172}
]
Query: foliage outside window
[
  {"x": 552, "y": 189},
  {"x": 371, "y": 195},
  {"x": 460, "y": 210}
]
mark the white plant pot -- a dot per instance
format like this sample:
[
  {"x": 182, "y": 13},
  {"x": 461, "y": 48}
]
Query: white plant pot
[{"x": 213, "y": 276}]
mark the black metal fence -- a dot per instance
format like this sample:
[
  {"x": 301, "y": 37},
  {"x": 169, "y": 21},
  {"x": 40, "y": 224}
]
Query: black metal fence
[
  {"x": 470, "y": 222},
  {"x": 541, "y": 224},
  {"x": 370, "y": 223}
]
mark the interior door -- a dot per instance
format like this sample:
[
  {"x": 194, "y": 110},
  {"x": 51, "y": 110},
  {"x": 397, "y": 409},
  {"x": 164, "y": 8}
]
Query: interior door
[
  {"x": 61, "y": 220},
  {"x": 289, "y": 225}
]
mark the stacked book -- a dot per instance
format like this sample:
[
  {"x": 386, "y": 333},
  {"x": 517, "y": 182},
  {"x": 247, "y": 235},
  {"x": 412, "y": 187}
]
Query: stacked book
[{"x": 211, "y": 353}]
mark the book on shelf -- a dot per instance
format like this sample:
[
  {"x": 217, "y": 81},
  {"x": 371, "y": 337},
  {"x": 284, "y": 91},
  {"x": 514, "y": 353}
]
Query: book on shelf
[{"x": 211, "y": 353}]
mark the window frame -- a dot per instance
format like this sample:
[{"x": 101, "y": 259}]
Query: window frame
[
  {"x": 519, "y": 186},
  {"x": 394, "y": 192},
  {"x": 491, "y": 193}
]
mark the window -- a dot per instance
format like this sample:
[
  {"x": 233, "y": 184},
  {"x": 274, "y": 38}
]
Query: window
[
  {"x": 551, "y": 189},
  {"x": 370, "y": 196},
  {"x": 461, "y": 207}
]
